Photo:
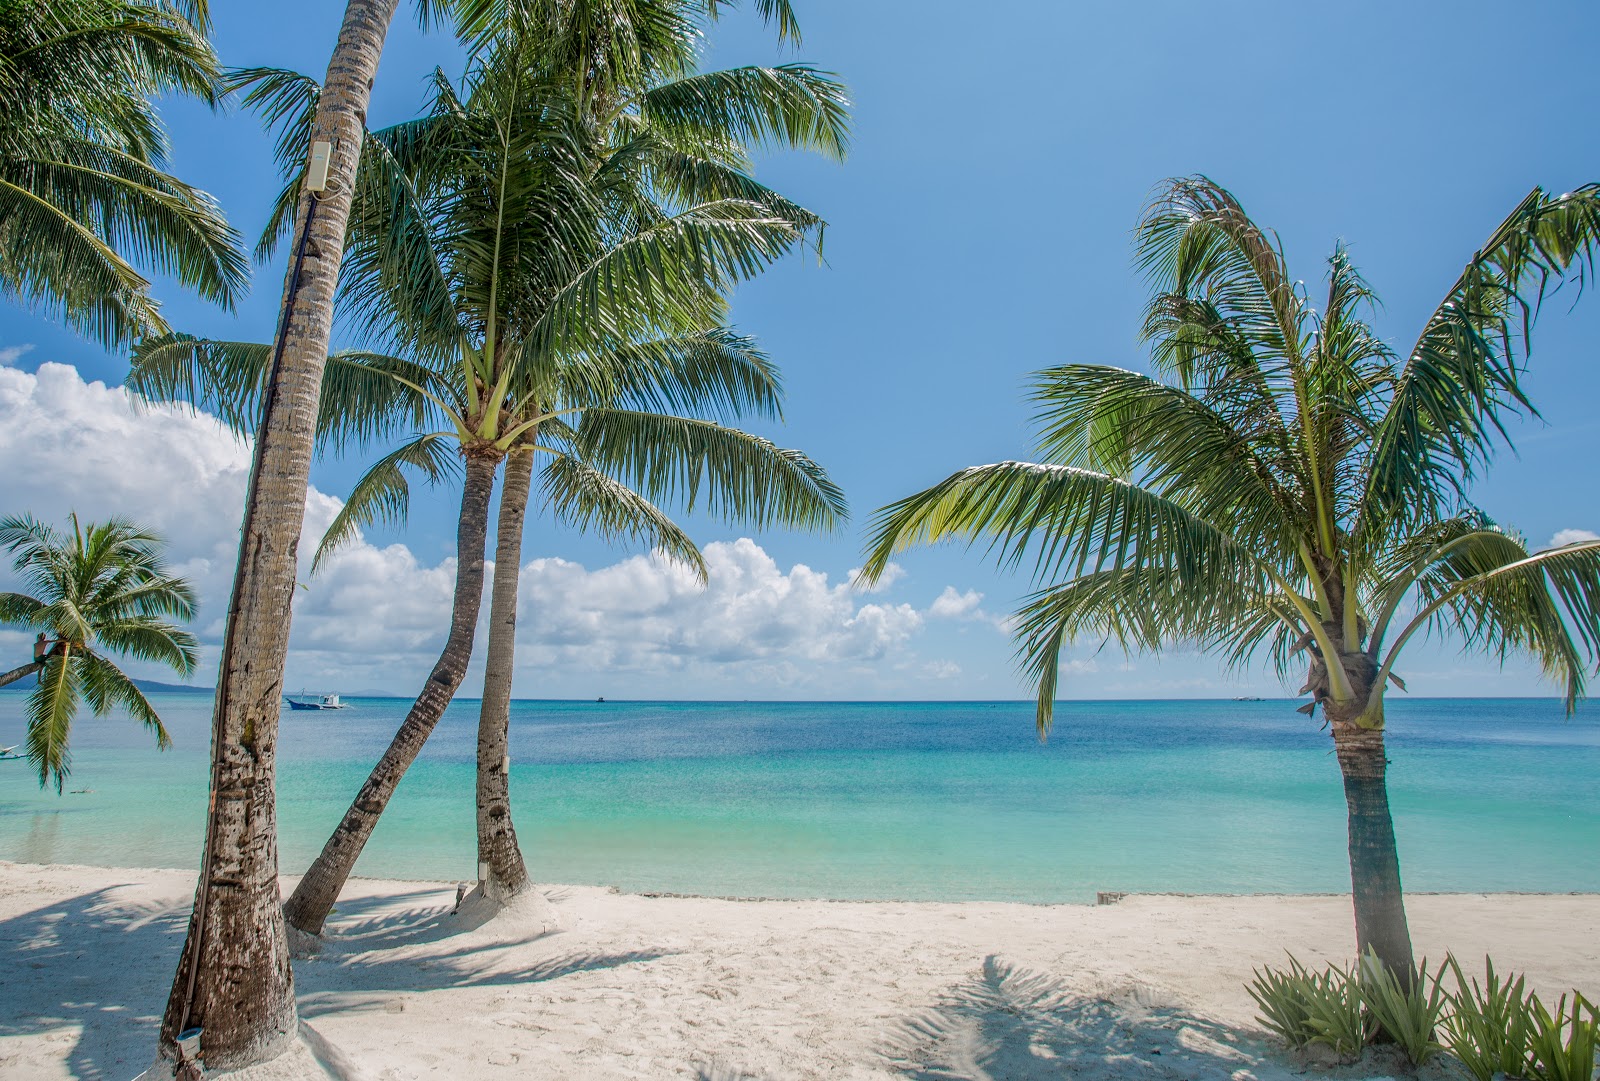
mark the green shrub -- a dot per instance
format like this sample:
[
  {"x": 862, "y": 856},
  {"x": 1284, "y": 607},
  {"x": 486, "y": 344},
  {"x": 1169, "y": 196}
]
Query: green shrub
[
  {"x": 1282, "y": 998},
  {"x": 1409, "y": 1015},
  {"x": 1496, "y": 1029},
  {"x": 1562, "y": 1047},
  {"x": 1488, "y": 1027},
  {"x": 1304, "y": 1007}
]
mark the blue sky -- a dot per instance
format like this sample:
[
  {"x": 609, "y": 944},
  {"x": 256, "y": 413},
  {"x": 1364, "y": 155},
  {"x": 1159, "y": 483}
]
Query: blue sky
[{"x": 981, "y": 230}]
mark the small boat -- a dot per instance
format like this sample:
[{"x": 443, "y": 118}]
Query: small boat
[{"x": 316, "y": 701}]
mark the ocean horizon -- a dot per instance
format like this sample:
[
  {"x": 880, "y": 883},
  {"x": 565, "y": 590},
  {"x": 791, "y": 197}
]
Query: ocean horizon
[{"x": 926, "y": 800}]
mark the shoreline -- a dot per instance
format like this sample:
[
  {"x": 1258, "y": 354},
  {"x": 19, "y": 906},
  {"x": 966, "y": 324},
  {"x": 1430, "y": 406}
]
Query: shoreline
[
  {"x": 587, "y": 982},
  {"x": 1114, "y": 896}
]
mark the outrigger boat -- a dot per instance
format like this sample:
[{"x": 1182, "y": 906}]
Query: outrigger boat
[{"x": 317, "y": 701}]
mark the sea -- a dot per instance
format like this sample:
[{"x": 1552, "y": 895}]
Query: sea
[{"x": 939, "y": 801}]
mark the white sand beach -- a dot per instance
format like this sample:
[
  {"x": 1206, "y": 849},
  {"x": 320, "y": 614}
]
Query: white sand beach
[{"x": 632, "y": 986}]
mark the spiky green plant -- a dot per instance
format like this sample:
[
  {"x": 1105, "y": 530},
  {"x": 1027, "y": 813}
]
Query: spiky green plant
[
  {"x": 1286, "y": 484},
  {"x": 1406, "y": 1010},
  {"x": 95, "y": 591},
  {"x": 84, "y": 197},
  {"x": 1562, "y": 1045},
  {"x": 1488, "y": 1026},
  {"x": 1305, "y": 1007}
]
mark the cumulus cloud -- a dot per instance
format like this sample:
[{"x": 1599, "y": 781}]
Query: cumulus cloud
[
  {"x": 10, "y": 354},
  {"x": 1572, "y": 536},
  {"x": 375, "y": 617},
  {"x": 953, "y": 605},
  {"x": 649, "y": 615},
  {"x": 71, "y": 445}
]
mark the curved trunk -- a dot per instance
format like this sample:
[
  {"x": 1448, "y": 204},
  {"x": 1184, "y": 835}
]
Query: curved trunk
[
  {"x": 233, "y": 978},
  {"x": 308, "y": 907},
  {"x": 18, "y": 673},
  {"x": 497, "y": 836},
  {"x": 1374, "y": 858}
]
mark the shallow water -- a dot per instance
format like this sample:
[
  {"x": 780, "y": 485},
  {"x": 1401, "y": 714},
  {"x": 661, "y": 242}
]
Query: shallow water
[{"x": 929, "y": 801}]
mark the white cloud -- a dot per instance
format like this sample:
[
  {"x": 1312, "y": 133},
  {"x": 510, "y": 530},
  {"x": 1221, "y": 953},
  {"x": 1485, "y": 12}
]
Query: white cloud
[
  {"x": 70, "y": 446},
  {"x": 376, "y": 617},
  {"x": 953, "y": 605},
  {"x": 10, "y": 354},
  {"x": 648, "y": 615},
  {"x": 1572, "y": 536}
]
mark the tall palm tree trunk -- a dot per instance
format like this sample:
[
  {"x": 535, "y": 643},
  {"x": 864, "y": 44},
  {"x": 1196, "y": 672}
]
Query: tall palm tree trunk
[
  {"x": 308, "y": 907},
  {"x": 18, "y": 673},
  {"x": 233, "y": 977},
  {"x": 1374, "y": 859},
  {"x": 497, "y": 835}
]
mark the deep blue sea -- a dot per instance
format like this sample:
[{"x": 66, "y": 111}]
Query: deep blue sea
[{"x": 927, "y": 801}]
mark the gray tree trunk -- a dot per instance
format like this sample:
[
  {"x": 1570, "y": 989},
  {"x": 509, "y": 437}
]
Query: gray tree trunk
[
  {"x": 497, "y": 836},
  {"x": 18, "y": 673},
  {"x": 233, "y": 977},
  {"x": 313, "y": 899},
  {"x": 1375, "y": 890}
]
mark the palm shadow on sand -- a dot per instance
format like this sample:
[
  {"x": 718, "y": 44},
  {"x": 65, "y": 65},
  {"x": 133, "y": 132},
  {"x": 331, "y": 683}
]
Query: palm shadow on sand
[
  {"x": 53, "y": 965},
  {"x": 376, "y": 948},
  {"x": 1009, "y": 1024}
]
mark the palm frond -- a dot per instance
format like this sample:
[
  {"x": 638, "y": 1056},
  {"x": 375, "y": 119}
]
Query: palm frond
[
  {"x": 1461, "y": 382},
  {"x": 383, "y": 493},
  {"x": 587, "y": 499},
  {"x": 52, "y": 706},
  {"x": 703, "y": 465},
  {"x": 792, "y": 106}
]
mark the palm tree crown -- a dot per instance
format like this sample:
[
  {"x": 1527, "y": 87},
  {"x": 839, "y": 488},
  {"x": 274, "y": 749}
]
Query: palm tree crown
[
  {"x": 82, "y": 189},
  {"x": 1291, "y": 484},
  {"x": 99, "y": 589}
]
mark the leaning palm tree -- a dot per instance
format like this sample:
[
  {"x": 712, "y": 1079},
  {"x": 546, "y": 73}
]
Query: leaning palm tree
[
  {"x": 1291, "y": 486},
  {"x": 669, "y": 136},
  {"x": 479, "y": 244},
  {"x": 236, "y": 937},
  {"x": 96, "y": 590},
  {"x": 82, "y": 150}
]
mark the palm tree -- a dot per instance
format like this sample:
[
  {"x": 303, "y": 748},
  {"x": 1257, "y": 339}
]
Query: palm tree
[
  {"x": 469, "y": 247},
  {"x": 1291, "y": 486},
  {"x": 99, "y": 589},
  {"x": 82, "y": 186},
  {"x": 233, "y": 978},
  {"x": 671, "y": 134}
]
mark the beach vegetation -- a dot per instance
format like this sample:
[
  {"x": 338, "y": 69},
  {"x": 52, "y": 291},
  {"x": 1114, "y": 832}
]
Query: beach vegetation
[
  {"x": 1494, "y": 1029},
  {"x": 1288, "y": 487},
  {"x": 1563, "y": 1043},
  {"x": 1407, "y": 1011},
  {"x": 1304, "y": 1007},
  {"x": 84, "y": 196},
  {"x": 1488, "y": 1026},
  {"x": 93, "y": 592}
]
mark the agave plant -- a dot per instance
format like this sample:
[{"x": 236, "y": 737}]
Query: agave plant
[{"x": 1287, "y": 485}]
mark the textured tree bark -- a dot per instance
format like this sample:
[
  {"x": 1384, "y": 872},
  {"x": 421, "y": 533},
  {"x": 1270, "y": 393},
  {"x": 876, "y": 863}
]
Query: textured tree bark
[
  {"x": 497, "y": 835},
  {"x": 233, "y": 977},
  {"x": 308, "y": 907},
  {"x": 18, "y": 673},
  {"x": 1374, "y": 858}
]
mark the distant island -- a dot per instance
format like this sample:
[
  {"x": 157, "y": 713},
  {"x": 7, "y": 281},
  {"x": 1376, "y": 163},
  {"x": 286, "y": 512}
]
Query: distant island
[{"x": 143, "y": 684}]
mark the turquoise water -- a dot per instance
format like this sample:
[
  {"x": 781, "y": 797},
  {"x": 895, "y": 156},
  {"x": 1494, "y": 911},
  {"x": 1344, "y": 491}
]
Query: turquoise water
[{"x": 938, "y": 801}]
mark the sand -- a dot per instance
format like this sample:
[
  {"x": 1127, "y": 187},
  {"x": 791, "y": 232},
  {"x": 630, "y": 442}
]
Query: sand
[{"x": 604, "y": 985}]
